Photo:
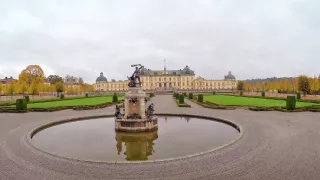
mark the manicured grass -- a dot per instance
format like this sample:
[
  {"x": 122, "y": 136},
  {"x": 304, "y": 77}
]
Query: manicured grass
[
  {"x": 246, "y": 101},
  {"x": 74, "y": 102}
]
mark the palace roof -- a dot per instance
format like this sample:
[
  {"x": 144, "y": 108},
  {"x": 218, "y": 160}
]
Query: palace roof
[
  {"x": 185, "y": 71},
  {"x": 101, "y": 78}
]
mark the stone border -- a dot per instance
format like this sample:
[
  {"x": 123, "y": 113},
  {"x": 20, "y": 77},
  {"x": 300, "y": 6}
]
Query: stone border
[{"x": 38, "y": 129}]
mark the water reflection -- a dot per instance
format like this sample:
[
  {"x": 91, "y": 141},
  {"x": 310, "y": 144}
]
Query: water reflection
[{"x": 138, "y": 146}]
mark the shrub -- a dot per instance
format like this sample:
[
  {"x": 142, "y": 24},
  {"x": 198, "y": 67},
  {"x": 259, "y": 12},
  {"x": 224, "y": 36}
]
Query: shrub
[
  {"x": 114, "y": 98},
  {"x": 181, "y": 99},
  {"x": 21, "y": 105},
  {"x": 177, "y": 96},
  {"x": 27, "y": 98},
  {"x": 263, "y": 94},
  {"x": 291, "y": 103},
  {"x": 152, "y": 95},
  {"x": 241, "y": 93},
  {"x": 298, "y": 96},
  {"x": 214, "y": 93},
  {"x": 184, "y": 94},
  {"x": 190, "y": 96},
  {"x": 200, "y": 98},
  {"x": 87, "y": 95},
  {"x": 62, "y": 96}
]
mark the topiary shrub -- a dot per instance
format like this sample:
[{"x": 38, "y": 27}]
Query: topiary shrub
[
  {"x": 184, "y": 94},
  {"x": 190, "y": 95},
  {"x": 177, "y": 96},
  {"x": 291, "y": 103},
  {"x": 263, "y": 94},
  {"x": 27, "y": 98},
  {"x": 62, "y": 96},
  {"x": 114, "y": 98},
  {"x": 87, "y": 95},
  {"x": 200, "y": 98},
  {"x": 298, "y": 96},
  {"x": 21, "y": 105},
  {"x": 181, "y": 99},
  {"x": 214, "y": 93},
  {"x": 241, "y": 93}
]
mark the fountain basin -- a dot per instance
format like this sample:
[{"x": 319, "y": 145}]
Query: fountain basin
[{"x": 96, "y": 140}]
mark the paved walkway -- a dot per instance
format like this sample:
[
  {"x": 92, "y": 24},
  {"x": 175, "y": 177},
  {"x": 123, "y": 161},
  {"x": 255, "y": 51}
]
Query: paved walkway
[{"x": 275, "y": 145}]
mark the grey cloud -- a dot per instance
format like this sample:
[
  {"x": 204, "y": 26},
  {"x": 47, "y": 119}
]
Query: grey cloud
[{"x": 84, "y": 38}]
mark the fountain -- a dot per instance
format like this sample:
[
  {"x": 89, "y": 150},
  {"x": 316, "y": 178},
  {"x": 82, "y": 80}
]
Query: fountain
[{"x": 136, "y": 117}]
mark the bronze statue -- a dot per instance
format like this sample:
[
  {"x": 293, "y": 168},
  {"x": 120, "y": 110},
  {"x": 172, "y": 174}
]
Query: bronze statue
[
  {"x": 150, "y": 111},
  {"x": 135, "y": 76},
  {"x": 118, "y": 113}
]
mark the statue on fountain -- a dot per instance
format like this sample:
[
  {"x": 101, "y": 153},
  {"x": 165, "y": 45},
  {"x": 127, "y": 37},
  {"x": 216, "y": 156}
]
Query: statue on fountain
[
  {"x": 150, "y": 111},
  {"x": 136, "y": 116},
  {"x": 118, "y": 113},
  {"x": 135, "y": 76}
]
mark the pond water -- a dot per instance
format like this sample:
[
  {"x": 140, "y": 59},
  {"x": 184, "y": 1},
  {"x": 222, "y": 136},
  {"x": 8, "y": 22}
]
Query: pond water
[{"x": 96, "y": 139}]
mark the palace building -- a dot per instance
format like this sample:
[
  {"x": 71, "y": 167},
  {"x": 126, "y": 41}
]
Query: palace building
[{"x": 183, "y": 79}]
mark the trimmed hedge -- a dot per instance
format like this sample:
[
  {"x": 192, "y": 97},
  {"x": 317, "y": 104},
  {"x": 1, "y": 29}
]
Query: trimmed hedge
[
  {"x": 87, "y": 95},
  {"x": 299, "y": 96},
  {"x": 211, "y": 105},
  {"x": 263, "y": 94},
  {"x": 21, "y": 105},
  {"x": 181, "y": 104},
  {"x": 114, "y": 98},
  {"x": 190, "y": 95},
  {"x": 241, "y": 93},
  {"x": 214, "y": 93},
  {"x": 62, "y": 96},
  {"x": 275, "y": 98},
  {"x": 184, "y": 94},
  {"x": 291, "y": 103},
  {"x": 200, "y": 98},
  {"x": 181, "y": 99},
  {"x": 27, "y": 98}
]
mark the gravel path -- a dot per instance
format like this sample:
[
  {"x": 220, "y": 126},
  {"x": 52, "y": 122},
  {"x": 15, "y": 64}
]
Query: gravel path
[{"x": 275, "y": 145}]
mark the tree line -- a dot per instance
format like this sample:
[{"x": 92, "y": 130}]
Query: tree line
[
  {"x": 304, "y": 84},
  {"x": 33, "y": 81}
]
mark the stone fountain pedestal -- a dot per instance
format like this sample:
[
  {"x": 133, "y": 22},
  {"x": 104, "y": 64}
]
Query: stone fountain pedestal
[{"x": 135, "y": 118}]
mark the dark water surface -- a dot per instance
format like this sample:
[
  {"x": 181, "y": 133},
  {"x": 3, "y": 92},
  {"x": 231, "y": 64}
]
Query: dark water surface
[{"x": 95, "y": 139}]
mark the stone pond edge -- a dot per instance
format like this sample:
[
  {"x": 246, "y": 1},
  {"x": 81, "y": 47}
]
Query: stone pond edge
[{"x": 29, "y": 136}]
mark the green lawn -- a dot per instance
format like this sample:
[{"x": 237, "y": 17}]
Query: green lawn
[
  {"x": 246, "y": 101},
  {"x": 74, "y": 102}
]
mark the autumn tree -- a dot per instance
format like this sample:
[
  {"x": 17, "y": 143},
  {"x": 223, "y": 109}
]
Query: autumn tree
[
  {"x": 10, "y": 88},
  {"x": 0, "y": 87},
  {"x": 22, "y": 87},
  {"x": 54, "y": 79},
  {"x": 240, "y": 85},
  {"x": 34, "y": 88},
  {"x": 315, "y": 85},
  {"x": 33, "y": 73},
  {"x": 304, "y": 84},
  {"x": 59, "y": 87}
]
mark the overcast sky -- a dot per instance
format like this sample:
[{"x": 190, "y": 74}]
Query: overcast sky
[{"x": 251, "y": 38}]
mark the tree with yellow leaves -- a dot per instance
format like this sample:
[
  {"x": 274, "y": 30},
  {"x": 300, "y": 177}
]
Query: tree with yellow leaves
[
  {"x": 32, "y": 74},
  {"x": 22, "y": 88},
  {"x": 315, "y": 85},
  {"x": 0, "y": 87},
  {"x": 10, "y": 88}
]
